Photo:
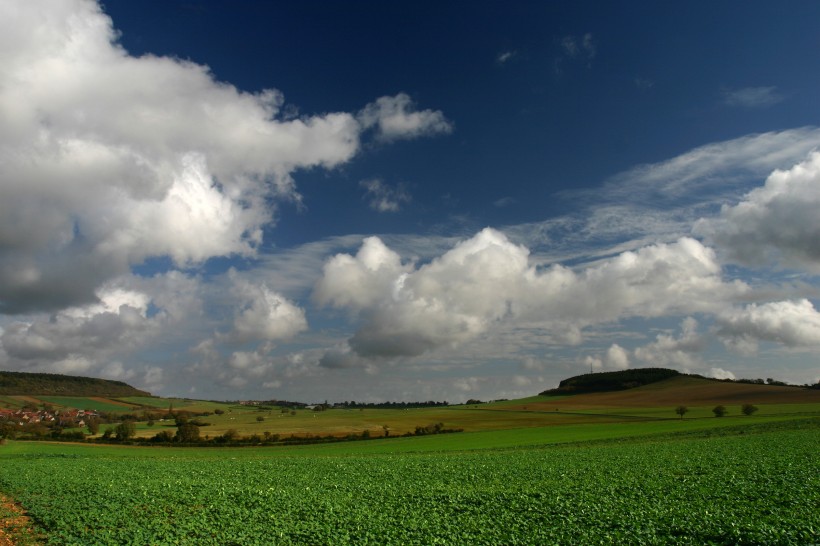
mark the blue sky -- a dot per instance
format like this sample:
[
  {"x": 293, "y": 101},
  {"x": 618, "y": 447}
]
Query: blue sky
[{"x": 364, "y": 201}]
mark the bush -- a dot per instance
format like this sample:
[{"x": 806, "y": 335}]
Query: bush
[
  {"x": 164, "y": 437},
  {"x": 187, "y": 433},
  {"x": 125, "y": 431},
  {"x": 720, "y": 411},
  {"x": 748, "y": 409}
]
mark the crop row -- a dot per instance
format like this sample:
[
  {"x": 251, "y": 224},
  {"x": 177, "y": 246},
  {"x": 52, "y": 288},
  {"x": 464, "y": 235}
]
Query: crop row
[{"x": 745, "y": 489}]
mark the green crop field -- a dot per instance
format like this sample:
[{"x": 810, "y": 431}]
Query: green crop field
[
  {"x": 88, "y": 403},
  {"x": 10, "y": 402},
  {"x": 708, "y": 481},
  {"x": 177, "y": 403}
]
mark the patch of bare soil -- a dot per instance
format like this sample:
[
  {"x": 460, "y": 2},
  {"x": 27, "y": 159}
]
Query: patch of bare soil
[{"x": 15, "y": 525}]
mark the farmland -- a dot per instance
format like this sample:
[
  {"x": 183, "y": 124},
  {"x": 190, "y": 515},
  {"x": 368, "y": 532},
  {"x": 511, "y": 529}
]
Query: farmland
[
  {"x": 653, "y": 402},
  {"x": 599, "y": 467},
  {"x": 746, "y": 482}
]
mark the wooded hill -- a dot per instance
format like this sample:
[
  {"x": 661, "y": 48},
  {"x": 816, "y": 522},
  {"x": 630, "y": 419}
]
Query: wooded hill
[
  {"x": 611, "y": 381},
  {"x": 47, "y": 384}
]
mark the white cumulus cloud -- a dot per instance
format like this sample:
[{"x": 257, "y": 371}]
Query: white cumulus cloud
[
  {"x": 486, "y": 280},
  {"x": 793, "y": 324},
  {"x": 682, "y": 352},
  {"x": 395, "y": 118},
  {"x": 617, "y": 357},
  {"x": 720, "y": 373},
  {"x": 264, "y": 315},
  {"x": 107, "y": 159},
  {"x": 776, "y": 222}
]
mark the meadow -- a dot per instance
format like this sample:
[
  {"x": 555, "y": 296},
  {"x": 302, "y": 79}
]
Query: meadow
[{"x": 747, "y": 481}]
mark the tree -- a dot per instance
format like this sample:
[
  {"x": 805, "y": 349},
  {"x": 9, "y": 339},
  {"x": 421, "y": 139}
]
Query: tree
[
  {"x": 187, "y": 433},
  {"x": 125, "y": 431},
  {"x": 720, "y": 411},
  {"x": 681, "y": 410},
  {"x": 748, "y": 409},
  {"x": 93, "y": 425}
]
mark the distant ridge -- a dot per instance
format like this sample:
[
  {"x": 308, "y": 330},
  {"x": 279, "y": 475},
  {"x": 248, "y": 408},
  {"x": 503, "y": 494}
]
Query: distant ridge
[
  {"x": 47, "y": 384},
  {"x": 611, "y": 381}
]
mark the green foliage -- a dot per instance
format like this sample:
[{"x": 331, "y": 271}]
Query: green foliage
[
  {"x": 681, "y": 410},
  {"x": 163, "y": 437},
  {"x": 125, "y": 431},
  {"x": 93, "y": 424},
  {"x": 748, "y": 409},
  {"x": 720, "y": 411},
  {"x": 187, "y": 433},
  {"x": 754, "y": 488}
]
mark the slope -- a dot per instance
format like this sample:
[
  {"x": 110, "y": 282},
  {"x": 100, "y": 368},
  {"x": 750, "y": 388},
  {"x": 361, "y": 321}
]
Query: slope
[{"x": 681, "y": 390}]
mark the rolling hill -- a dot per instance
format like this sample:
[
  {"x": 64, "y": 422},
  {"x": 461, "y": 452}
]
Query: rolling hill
[{"x": 685, "y": 390}]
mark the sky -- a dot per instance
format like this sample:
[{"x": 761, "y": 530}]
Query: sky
[{"x": 378, "y": 201}]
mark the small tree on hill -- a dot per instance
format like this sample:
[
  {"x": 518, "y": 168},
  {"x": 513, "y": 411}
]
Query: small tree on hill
[
  {"x": 720, "y": 411},
  {"x": 681, "y": 410},
  {"x": 748, "y": 409}
]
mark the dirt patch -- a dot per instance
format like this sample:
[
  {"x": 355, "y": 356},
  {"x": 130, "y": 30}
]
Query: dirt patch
[{"x": 15, "y": 526}]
